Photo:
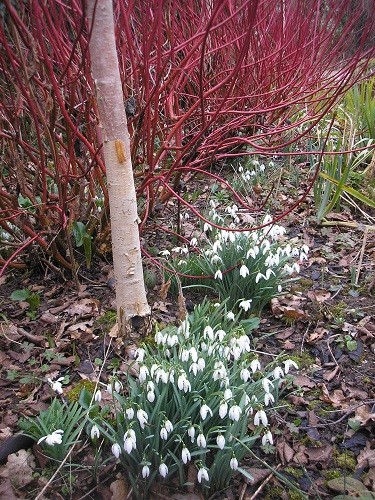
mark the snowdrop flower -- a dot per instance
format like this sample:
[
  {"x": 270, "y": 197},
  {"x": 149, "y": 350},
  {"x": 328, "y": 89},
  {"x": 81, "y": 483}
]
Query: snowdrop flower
[
  {"x": 279, "y": 288},
  {"x": 116, "y": 450},
  {"x": 52, "y": 439},
  {"x": 142, "y": 418},
  {"x": 267, "y": 438},
  {"x": 202, "y": 474},
  {"x": 296, "y": 267},
  {"x": 140, "y": 354},
  {"x": 143, "y": 373},
  {"x": 191, "y": 433},
  {"x": 172, "y": 340},
  {"x": 220, "y": 441},
  {"x": 235, "y": 413},
  {"x": 288, "y": 269},
  {"x": 184, "y": 356},
  {"x": 227, "y": 394},
  {"x": 194, "y": 368},
  {"x": 185, "y": 455},
  {"x": 129, "y": 413},
  {"x": 56, "y": 385},
  {"x": 216, "y": 246},
  {"x": 215, "y": 258},
  {"x": 255, "y": 365},
  {"x": 260, "y": 417},
  {"x": 201, "y": 364},
  {"x": 145, "y": 471},
  {"x": 151, "y": 396},
  {"x": 258, "y": 277},
  {"x": 266, "y": 384},
  {"x": 220, "y": 334},
  {"x": 194, "y": 242},
  {"x": 205, "y": 409},
  {"x": 163, "y": 470},
  {"x": 223, "y": 409},
  {"x": 165, "y": 253},
  {"x": 233, "y": 463},
  {"x": 94, "y": 432},
  {"x": 245, "y": 374},
  {"x": 114, "y": 386},
  {"x": 193, "y": 354},
  {"x": 288, "y": 363},
  {"x": 208, "y": 332},
  {"x": 230, "y": 316},
  {"x": 218, "y": 275},
  {"x": 278, "y": 373},
  {"x": 130, "y": 441},
  {"x": 184, "y": 329},
  {"x": 268, "y": 398},
  {"x": 244, "y": 271},
  {"x": 201, "y": 441},
  {"x": 245, "y": 304},
  {"x": 98, "y": 396},
  {"x": 164, "y": 433},
  {"x": 207, "y": 227}
]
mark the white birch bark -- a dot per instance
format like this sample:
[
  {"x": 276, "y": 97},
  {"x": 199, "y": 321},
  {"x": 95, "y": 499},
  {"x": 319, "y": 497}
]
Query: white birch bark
[{"x": 130, "y": 289}]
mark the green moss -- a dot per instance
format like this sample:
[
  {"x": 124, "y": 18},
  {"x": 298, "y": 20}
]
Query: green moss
[
  {"x": 332, "y": 474},
  {"x": 303, "y": 360},
  {"x": 73, "y": 394},
  {"x": 107, "y": 320},
  {"x": 297, "y": 473},
  {"x": 345, "y": 460}
]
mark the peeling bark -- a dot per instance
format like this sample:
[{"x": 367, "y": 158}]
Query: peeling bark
[{"x": 133, "y": 310}]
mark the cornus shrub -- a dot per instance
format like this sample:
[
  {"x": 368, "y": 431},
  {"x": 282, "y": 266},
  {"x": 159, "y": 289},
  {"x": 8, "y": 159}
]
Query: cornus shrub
[
  {"x": 245, "y": 268},
  {"x": 186, "y": 414}
]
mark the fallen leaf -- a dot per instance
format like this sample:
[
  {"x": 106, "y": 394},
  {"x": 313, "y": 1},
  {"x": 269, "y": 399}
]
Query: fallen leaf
[
  {"x": 164, "y": 288},
  {"x": 285, "y": 452},
  {"x": 19, "y": 468},
  {"x": 364, "y": 415},
  {"x": 322, "y": 454},
  {"x": 303, "y": 381},
  {"x": 119, "y": 489},
  {"x": 328, "y": 376},
  {"x": 319, "y": 296},
  {"x": 366, "y": 458}
]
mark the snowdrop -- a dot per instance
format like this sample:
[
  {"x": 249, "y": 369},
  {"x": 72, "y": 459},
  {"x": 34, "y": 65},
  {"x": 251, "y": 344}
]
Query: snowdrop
[
  {"x": 233, "y": 463},
  {"x": 260, "y": 417},
  {"x": 266, "y": 383},
  {"x": 201, "y": 441},
  {"x": 204, "y": 411},
  {"x": 267, "y": 438},
  {"x": 223, "y": 409},
  {"x": 245, "y": 304},
  {"x": 288, "y": 363},
  {"x": 98, "y": 396},
  {"x": 244, "y": 271},
  {"x": 218, "y": 275},
  {"x": 143, "y": 374},
  {"x": 208, "y": 332},
  {"x": 129, "y": 413},
  {"x": 130, "y": 441},
  {"x": 220, "y": 441},
  {"x": 145, "y": 471},
  {"x": 114, "y": 386},
  {"x": 202, "y": 474},
  {"x": 185, "y": 455},
  {"x": 163, "y": 470},
  {"x": 56, "y": 385},
  {"x": 230, "y": 316},
  {"x": 268, "y": 398},
  {"x": 207, "y": 227},
  {"x": 234, "y": 413},
  {"x": 255, "y": 365},
  {"x": 278, "y": 373},
  {"x": 94, "y": 432},
  {"x": 140, "y": 354},
  {"x": 54, "y": 438},
  {"x": 142, "y": 418},
  {"x": 245, "y": 374},
  {"x": 191, "y": 433},
  {"x": 116, "y": 450}
]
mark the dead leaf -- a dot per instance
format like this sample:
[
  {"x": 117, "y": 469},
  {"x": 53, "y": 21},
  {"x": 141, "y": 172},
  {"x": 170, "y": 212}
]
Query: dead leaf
[
  {"x": 19, "y": 468},
  {"x": 337, "y": 399},
  {"x": 164, "y": 288},
  {"x": 319, "y": 296},
  {"x": 366, "y": 458},
  {"x": 119, "y": 489},
  {"x": 317, "y": 334},
  {"x": 328, "y": 376},
  {"x": 303, "y": 381},
  {"x": 114, "y": 332},
  {"x": 363, "y": 414},
  {"x": 322, "y": 454},
  {"x": 285, "y": 452}
]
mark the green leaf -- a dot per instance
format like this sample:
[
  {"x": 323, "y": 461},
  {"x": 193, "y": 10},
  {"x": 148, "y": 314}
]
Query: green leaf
[
  {"x": 20, "y": 295},
  {"x": 348, "y": 485},
  {"x": 79, "y": 230},
  {"x": 349, "y": 190},
  {"x": 245, "y": 473}
]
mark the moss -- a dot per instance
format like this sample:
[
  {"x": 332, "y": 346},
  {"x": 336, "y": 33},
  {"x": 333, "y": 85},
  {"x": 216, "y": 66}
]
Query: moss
[
  {"x": 303, "y": 360},
  {"x": 345, "y": 460},
  {"x": 297, "y": 473},
  {"x": 303, "y": 284},
  {"x": 107, "y": 320},
  {"x": 294, "y": 495},
  {"x": 309, "y": 442},
  {"x": 73, "y": 394},
  {"x": 332, "y": 474}
]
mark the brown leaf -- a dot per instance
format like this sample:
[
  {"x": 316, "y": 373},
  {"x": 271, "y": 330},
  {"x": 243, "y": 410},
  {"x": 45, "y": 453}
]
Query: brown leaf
[
  {"x": 323, "y": 454},
  {"x": 119, "y": 489},
  {"x": 164, "y": 288},
  {"x": 366, "y": 458},
  {"x": 363, "y": 414},
  {"x": 285, "y": 452},
  {"x": 19, "y": 468},
  {"x": 319, "y": 295},
  {"x": 303, "y": 381},
  {"x": 328, "y": 376}
]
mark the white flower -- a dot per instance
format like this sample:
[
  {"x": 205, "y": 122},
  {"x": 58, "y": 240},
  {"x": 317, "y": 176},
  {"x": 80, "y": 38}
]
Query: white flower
[
  {"x": 205, "y": 409},
  {"x": 166, "y": 253},
  {"x": 202, "y": 474},
  {"x": 143, "y": 373},
  {"x": 114, "y": 386},
  {"x": 194, "y": 242},
  {"x": 116, "y": 450},
  {"x": 164, "y": 433},
  {"x": 244, "y": 271},
  {"x": 223, "y": 409},
  {"x": 54, "y": 438},
  {"x": 277, "y": 373},
  {"x": 255, "y": 365},
  {"x": 230, "y": 316},
  {"x": 215, "y": 258},
  {"x": 207, "y": 227},
  {"x": 145, "y": 471},
  {"x": 235, "y": 413},
  {"x": 227, "y": 394},
  {"x": 245, "y": 374},
  {"x": 142, "y": 418},
  {"x": 56, "y": 385},
  {"x": 201, "y": 364},
  {"x": 266, "y": 384},
  {"x": 94, "y": 432},
  {"x": 185, "y": 455},
  {"x": 129, "y": 413},
  {"x": 201, "y": 441},
  {"x": 218, "y": 275},
  {"x": 185, "y": 354},
  {"x": 191, "y": 433},
  {"x": 208, "y": 332},
  {"x": 172, "y": 340},
  {"x": 216, "y": 246},
  {"x": 245, "y": 304},
  {"x": 233, "y": 463},
  {"x": 129, "y": 441},
  {"x": 260, "y": 416},
  {"x": 220, "y": 440},
  {"x": 220, "y": 334},
  {"x": 258, "y": 277},
  {"x": 151, "y": 396},
  {"x": 288, "y": 363},
  {"x": 193, "y": 368},
  {"x": 98, "y": 396},
  {"x": 267, "y": 438},
  {"x": 140, "y": 354},
  {"x": 193, "y": 354},
  {"x": 163, "y": 470},
  {"x": 268, "y": 398},
  {"x": 168, "y": 425}
]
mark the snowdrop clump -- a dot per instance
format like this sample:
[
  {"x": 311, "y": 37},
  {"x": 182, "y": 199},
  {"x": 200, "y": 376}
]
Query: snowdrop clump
[
  {"x": 192, "y": 402},
  {"x": 242, "y": 265}
]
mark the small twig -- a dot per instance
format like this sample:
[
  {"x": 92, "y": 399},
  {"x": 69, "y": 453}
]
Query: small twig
[
  {"x": 365, "y": 233},
  {"x": 346, "y": 414},
  {"x": 266, "y": 481},
  {"x": 304, "y": 336},
  {"x": 243, "y": 491}
]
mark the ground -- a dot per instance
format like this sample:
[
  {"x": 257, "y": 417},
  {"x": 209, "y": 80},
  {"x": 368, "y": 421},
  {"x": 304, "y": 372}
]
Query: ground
[{"x": 324, "y": 428}]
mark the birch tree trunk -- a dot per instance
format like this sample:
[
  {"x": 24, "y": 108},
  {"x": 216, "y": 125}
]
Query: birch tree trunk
[{"x": 132, "y": 308}]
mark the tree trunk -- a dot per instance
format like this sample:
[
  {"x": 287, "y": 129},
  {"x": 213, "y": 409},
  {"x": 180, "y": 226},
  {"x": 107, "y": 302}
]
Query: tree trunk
[{"x": 132, "y": 308}]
